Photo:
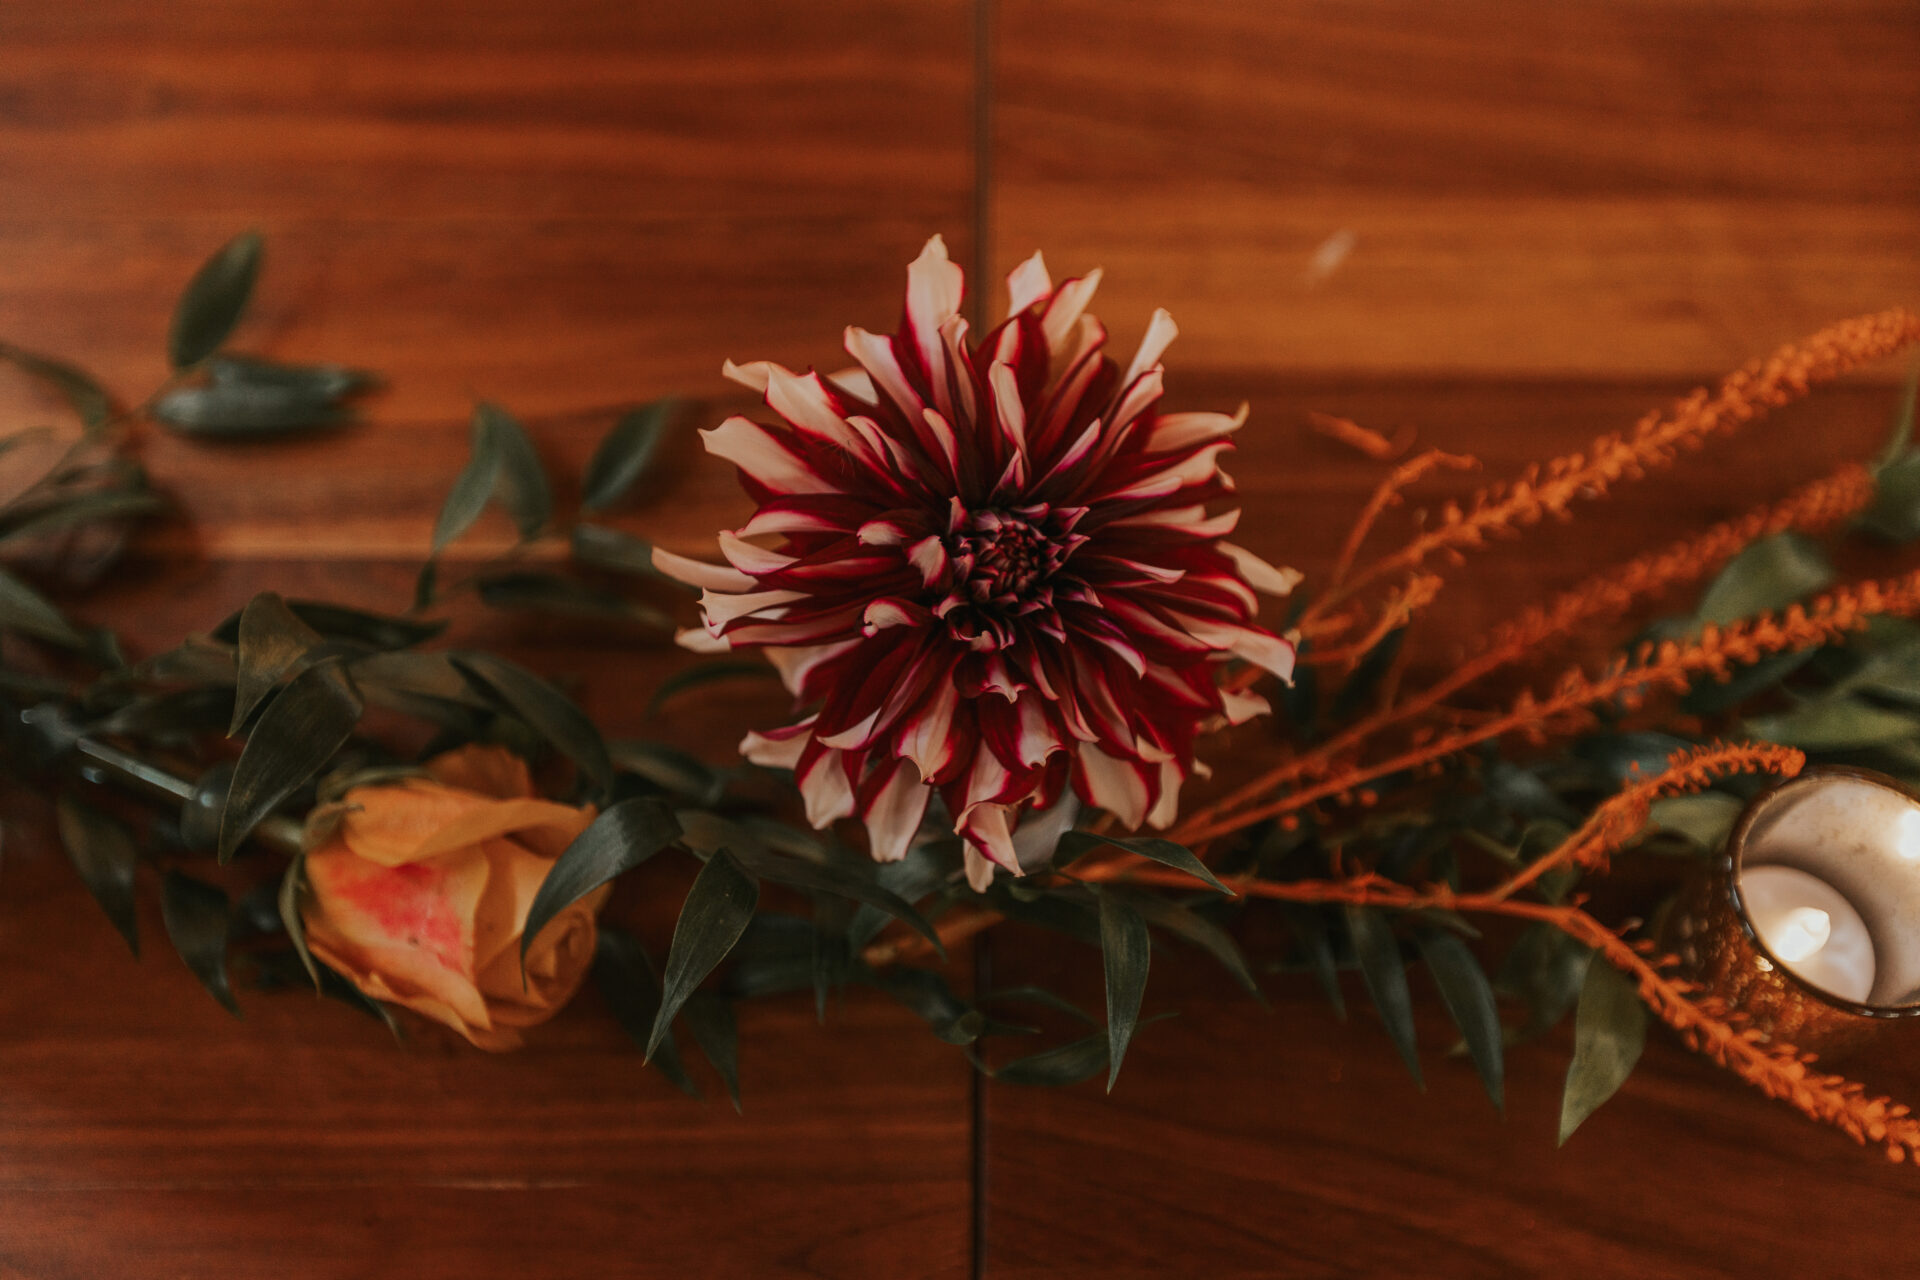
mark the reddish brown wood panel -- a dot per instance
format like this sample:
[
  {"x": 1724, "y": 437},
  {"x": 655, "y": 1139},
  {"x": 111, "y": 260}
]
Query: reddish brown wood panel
[
  {"x": 1594, "y": 188},
  {"x": 1241, "y": 1142},
  {"x": 560, "y": 206}
]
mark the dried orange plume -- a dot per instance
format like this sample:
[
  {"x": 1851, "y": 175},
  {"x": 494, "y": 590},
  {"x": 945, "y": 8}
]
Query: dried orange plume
[
  {"x": 1669, "y": 665},
  {"x": 1396, "y": 612},
  {"x": 1616, "y": 823},
  {"x": 1766, "y": 384},
  {"x": 1387, "y": 494},
  {"x": 1816, "y": 508},
  {"x": 1366, "y": 440}
]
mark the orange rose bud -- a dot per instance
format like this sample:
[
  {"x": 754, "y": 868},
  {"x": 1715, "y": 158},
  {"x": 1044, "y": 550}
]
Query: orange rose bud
[{"x": 419, "y": 895}]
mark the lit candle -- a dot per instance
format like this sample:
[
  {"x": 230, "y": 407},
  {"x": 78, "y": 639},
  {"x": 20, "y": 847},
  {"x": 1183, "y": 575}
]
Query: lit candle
[{"x": 1811, "y": 929}]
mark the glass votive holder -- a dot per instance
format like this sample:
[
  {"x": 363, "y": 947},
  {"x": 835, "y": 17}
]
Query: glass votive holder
[{"x": 1809, "y": 921}]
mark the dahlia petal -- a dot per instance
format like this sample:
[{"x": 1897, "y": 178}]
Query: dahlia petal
[
  {"x": 895, "y": 812},
  {"x": 1145, "y": 390},
  {"x": 928, "y": 741},
  {"x": 1112, "y": 784},
  {"x": 779, "y": 748},
  {"x": 824, "y": 787},
  {"x": 1241, "y": 707},
  {"x": 857, "y": 383},
  {"x": 1167, "y": 807},
  {"x": 721, "y": 607},
  {"x": 764, "y": 457},
  {"x": 947, "y": 441},
  {"x": 934, "y": 288},
  {"x": 987, "y": 833},
  {"x": 1039, "y": 740},
  {"x": 795, "y": 662},
  {"x": 1196, "y": 468},
  {"x": 875, "y": 354},
  {"x": 885, "y": 613},
  {"x": 749, "y": 558},
  {"x": 698, "y": 573},
  {"x": 805, "y": 402},
  {"x": 1038, "y": 835},
  {"x": 1012, "y": 414},
  {"x": 1161, "y": 331},
  {"x": 1192, "y": 521},
  {"x": 1260, "y": 575},
  {"x": 954, "y": 334},
  {"x": 1184, "y": 430},
  {"x": 701, "y": 640},
  {"x": 979, "y": 869},
  {"x": 1261, "y": 648},
  {"x": 752, "y": 376},
  {"x": 1068, "y": 304},
  {"x": 929, "y": 556},
  {"x": 1027, "y": 284}
]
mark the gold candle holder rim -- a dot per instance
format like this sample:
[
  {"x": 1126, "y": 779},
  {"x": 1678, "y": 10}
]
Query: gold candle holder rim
[{"x": 1730, "y": 865}]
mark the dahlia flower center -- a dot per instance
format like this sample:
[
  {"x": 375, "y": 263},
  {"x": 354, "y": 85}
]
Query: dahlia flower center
[{"x": 1001, "y": 557}]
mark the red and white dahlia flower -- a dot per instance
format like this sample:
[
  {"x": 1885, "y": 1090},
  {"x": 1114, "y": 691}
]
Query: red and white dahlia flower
[{"x": 988, "y": 570}]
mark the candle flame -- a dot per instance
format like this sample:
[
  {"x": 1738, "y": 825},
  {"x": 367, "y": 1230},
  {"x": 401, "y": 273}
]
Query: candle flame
[
  {"x": 1803, "y": 931},
  {"x": 1906, "y": 840}
]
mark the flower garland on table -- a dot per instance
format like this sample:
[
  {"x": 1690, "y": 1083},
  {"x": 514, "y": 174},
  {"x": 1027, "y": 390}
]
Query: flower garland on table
[{"x": 995, "y": 577}]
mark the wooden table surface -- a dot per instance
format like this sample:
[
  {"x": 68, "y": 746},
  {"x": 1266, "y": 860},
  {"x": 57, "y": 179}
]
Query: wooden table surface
[{"x": 1512, "y": 226}]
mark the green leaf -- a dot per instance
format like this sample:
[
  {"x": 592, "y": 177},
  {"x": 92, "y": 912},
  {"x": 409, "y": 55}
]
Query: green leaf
[
  {"x": 1835, "y": 724},
  {"x": 540, "y": 591},
  {"x": 358, "y": 626},
  {"x": 617, "y": 841},
  {"x": 605, "y": 548},
  {"x": 25, "y": 610},
  {"x": 1469, "y": 998},
  {"x": 702, "y": 674},
  {"x": 83, "y": 509},
  {"x": 243, "y": 410},
  {"x": 196, "y": 915},
  {"x": 1126, "y": 951},
  {"x": 1772, "y": 573},
  {"x": 1065, "y": 1065},
  {"x": 626, "y": 453},
  {"x": 103, "y": 852},
  {"x": 715, "y": 914},
  {"x": 522, "y": 479},
  {"x": 290, "y": 918},
  {"x": 1190, "y": 926},
  {"x": 473, "y": 487},
  {"x": 1711, "y": 697},
  {"x": 624, "y": 974},
  {"x": 292, "y": 741},
  {"x": 1903, "y": 415},
  {"x": 1165, "y": 852},
  {"x": 1894, "y": 513},
  {"x": 1545, "y": 968},
  {"x": 215, "y": 299},
  {"x": 709, "y": 1017},
  {"x": 320, "y": 382},
  {"x": 669, "y": 768},
  {"x": 837, "y": 878},
  {"x": 87, "y": 398},
  {"x": 542, "y": 708},
  {"x": 1308, "y": 925},
  {"x": 272, "y": 640},
  {"x": 1704, "y": 819},
  {"x": 1378, "y": 951},
  {"x": 1609, "y": 1031}
]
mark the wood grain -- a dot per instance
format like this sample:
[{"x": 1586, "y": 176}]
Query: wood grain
[
  {"x": 1242, "y": 1143},
  {"x": 1558, "y": 217},
  {"x": 1589, "y": 189}
]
